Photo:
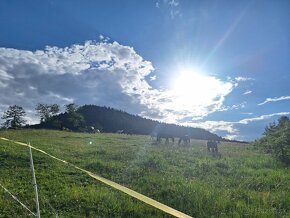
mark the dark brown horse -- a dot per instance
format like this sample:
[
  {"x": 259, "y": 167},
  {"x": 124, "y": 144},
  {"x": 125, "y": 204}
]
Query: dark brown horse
[
  {"x": 212, "y": 146},
  {"x": 165, "y": 136},
  {"x": 185, "y": 139}
]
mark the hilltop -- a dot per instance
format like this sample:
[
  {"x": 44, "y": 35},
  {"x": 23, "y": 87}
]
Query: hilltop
[{"x": 110, "y": 120}]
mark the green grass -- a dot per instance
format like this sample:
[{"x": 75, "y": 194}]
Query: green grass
[{"x": 242, "y": 182}]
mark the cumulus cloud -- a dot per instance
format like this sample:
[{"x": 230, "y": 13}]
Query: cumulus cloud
[
  {"x": 282, "y": 98},
  {"x": 243, "y": 79},
  {"x": 102, "y": 73}
]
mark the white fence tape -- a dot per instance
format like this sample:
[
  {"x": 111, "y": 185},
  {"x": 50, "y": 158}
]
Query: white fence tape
[{"x": 16, "y": 199}]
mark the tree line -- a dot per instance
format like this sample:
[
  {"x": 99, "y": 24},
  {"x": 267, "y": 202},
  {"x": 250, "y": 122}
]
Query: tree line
[{"x": 15, "y": 115}]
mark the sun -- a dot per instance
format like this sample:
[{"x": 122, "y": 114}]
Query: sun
[
  {"x": 196, "y": 92},
  {"x": 191, "y": 87}
]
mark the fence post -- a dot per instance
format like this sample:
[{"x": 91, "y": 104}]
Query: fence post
[{"x": 34, "y": 184}]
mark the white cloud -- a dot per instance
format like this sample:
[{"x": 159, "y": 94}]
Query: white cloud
[
  {"x": 247, "y": 92},
  {"x": 232, "y": 137},
  {"x": 231, "y": 129},
  {"x": 4, "y": 77},
  {"x": 152, "y": 78},
  {"x": 282, "y": 98},
  {"x": 249, "y": 113},
  {"x": 233, "y": 107},
  {"x": 262, "y": 117},
  {"x": 216, "y": 126},
  {"x": 101, "y": 73},
  {"x": 243, "y": 79}
]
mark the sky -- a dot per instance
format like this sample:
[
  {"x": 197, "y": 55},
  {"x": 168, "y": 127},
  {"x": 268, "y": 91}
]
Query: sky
[{"x": 221, "y": 65}]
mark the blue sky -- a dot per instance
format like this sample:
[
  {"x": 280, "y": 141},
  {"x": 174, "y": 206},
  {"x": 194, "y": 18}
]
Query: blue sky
[{"x": 219, "y": 65}]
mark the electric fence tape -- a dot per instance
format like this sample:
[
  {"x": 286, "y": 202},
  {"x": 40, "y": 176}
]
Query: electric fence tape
[
  {"x": 16, "y": 199},
  {"x": 117, "y": 186}
]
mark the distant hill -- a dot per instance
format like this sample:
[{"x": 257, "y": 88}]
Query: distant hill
[{"x": 108, "y": 119}]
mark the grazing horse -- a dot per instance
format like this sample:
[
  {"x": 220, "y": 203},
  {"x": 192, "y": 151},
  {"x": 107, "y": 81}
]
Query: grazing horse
[
  {"x": 185, "y": 139},
  {"x": 152, "y": 136},
  {"x": 165, "y": 136},
  {"x": 93, "y": 130},
  {"x": 212, "y": 146},
  {"x": 120, "y": 131}
]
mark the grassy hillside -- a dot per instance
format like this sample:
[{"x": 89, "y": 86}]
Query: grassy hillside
[{"x": 240, "y": 183}]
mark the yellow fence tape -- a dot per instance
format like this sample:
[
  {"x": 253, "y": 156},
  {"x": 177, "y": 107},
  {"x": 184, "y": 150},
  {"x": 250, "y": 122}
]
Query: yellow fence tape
[{"x": 117, "y": 186}]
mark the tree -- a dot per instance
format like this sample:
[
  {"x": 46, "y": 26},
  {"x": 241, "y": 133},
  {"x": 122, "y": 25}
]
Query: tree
[
  {"x": 14, "y": 117},
  {"x": 74, "y": 119},
  {"x": 276, "y": 140},
  {"x": 46, "y": 111},
  {"x": 70, "y": 108},
  {"x": 54, "y": 109}
]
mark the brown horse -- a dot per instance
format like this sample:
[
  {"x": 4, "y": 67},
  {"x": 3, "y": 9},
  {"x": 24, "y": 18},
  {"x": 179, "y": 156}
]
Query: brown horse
[{"x": 185, "y": 139}]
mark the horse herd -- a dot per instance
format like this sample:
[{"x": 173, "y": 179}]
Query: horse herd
[
  {"x": 185, "y": 138},
  {"x": 212, "y": 145}
]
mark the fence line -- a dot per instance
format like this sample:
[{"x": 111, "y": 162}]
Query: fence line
[
  {"x": 16, "y": 199},
  {"x": 114, "y": 185}
]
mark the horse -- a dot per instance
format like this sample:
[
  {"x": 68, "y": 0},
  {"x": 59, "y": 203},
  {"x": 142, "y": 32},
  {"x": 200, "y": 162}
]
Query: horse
[
  {"x": 185, "y": 139},
  {"x": 93, "y": 130},
  {"x": 165, "y": 136},
  {"x": 120, "y": 131},
  {"x": 152, "y": 136},
  {"x": 212, "y": 146}
]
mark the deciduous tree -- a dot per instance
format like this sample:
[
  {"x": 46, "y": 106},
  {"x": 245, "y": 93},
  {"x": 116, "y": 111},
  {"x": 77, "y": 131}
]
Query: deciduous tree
[
  {"x": 14, "y": 117},
  {"x": 46, "y": 111}
]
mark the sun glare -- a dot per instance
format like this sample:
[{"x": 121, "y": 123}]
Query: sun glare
[
  {"x": 191, "y": 86},
  {"x": 194, "y": 90}
]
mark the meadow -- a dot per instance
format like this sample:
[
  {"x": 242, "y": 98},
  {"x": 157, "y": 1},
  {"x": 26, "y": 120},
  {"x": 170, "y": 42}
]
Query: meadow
[{"x": 240, "y": 182}]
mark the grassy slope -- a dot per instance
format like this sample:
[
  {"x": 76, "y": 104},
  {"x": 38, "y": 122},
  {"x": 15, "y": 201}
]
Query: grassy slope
[{"x": 242, "y": 182}]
